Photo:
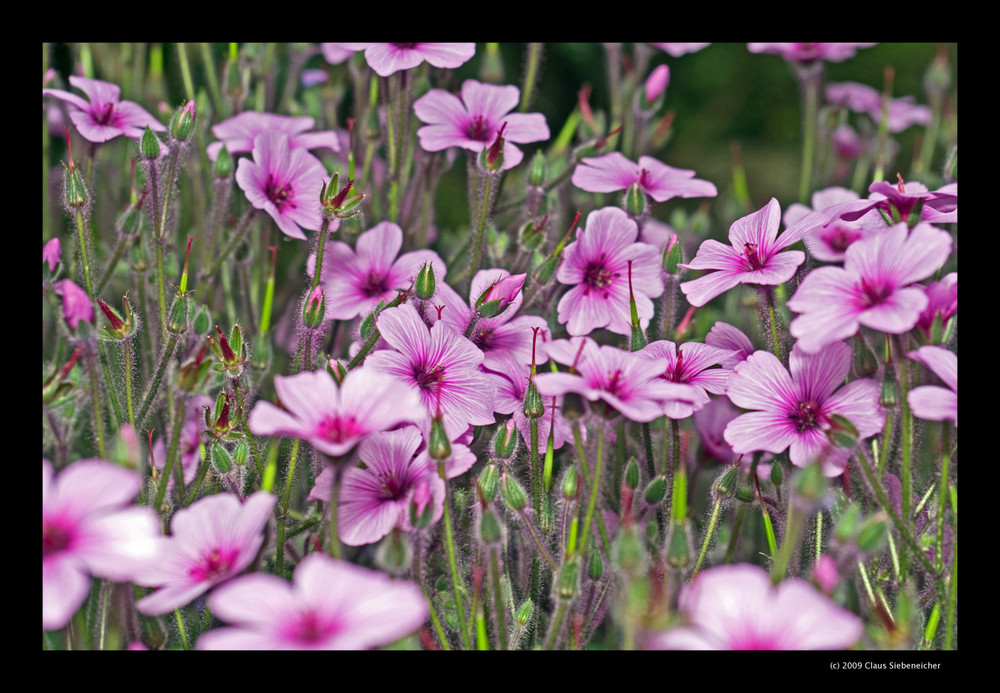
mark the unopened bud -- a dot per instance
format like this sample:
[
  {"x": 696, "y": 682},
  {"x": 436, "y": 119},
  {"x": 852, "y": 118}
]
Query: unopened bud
[
  {"x": 489, "y": 482},
  {"x": 725, "y": 484},
  {"x": 777, "y": 474},
  {"x": 314, "y": 310},
  {"x": 76, "y": 192},
  {"x": 149, "y": 145},
  {"x": 513, "y": 493},
  {"x": 679, "y": 547},
  {"x": 595, "y": 566},
  {"x": 632, "y": 473},
  {"x": 656, "y": 491},
  {"x": 568, "y": 578},
  {"x": 569, "y": 487},
  {"x": 534, "y": 407},
  {"x": 635, "y": 201},
  {"x": 222, "y": 461},
  {"x": 672, "y": 255},
  {"x": 842, "y": 433},
  {"x": 536, "y": 174},
  {"x": 489, "y": 528},
  {"x": 182, "y": 122},
  {"x": 524, "y": 612},
  {"x": 241, "y": 453},
  {"x": 438, "y": 445},
  {"x": 223, "y": 167},
  {"x": 202, "y": 322},
  {"x": 745, "y": 494},
  {"x": 177, "y": 323},
  {"x": 421, "y": 506},
  {"x": 425, "y": 283},
  {"x": 505, "y": 441}
]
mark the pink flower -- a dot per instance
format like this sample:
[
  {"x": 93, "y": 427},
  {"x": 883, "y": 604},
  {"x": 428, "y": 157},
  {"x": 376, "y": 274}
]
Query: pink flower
[
  {"x": 893, "y": 203},
  {"x": 473, "y": 121},
  {"x": 76, "y": 305},
  {"x": 810, "y": 52},
  {"x": 690, "y": 363},
  {"x": 611, "y": 172},
  {"x": 657, "y": 83},
  {"x": 334, "y": 419},
  {"x": 387, "y": 58},
  {"x": 512, "y": 385},
  {"x": 376, "y": 499},
  {"x": 212, "y": 541},
  {"x": 872, "y": 289},
  {"x": 725, "y": 336},
  {"x": 860, "y": 98},
  {"x": 332, "y": 605},
  {"x": 679, "y": 49},
  {"x": 624, "y": 382},
  {"x": 795, "y": 411},
  {"x": 829, "y": 242},
  {"x": 753, "y": 257},
  {"x": 942, "y": 299},
  {"x": 239, "y": 132},
  {"x": 596, "y": 267},
  {"x": 931, "y": 402},
  {"x": 89, "y": 529},
  {"x": 439, "y": 365},
  {"x": 356, "y": 280},
  {"x": 52, "y": 253},
  {"x": 103, "y": 115},
  {"x": 736, "y": 607},
  {"x": 284, "y": 182}
]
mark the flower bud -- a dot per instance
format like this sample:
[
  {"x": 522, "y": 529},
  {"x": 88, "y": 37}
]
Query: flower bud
[
  {"x": 438, "y": 445},
  {"x": 656, "y": 491},
  {"x": 536, "y": 174},
  {"x": 777, "y": 474},
  {"x": 524, "y": 612},
  {"x": 632, "y": 473},
  {"x": 489, "y": 528},
  {"x": 76, "y": 196},
  {"x": 222, "y": 461},
  {"x": 231, "y": 353},
  {"x": 488, "y": 483},
  {"x": 531, "y": 236},
  {"x": 314, "y": 310},
  {"x": 513, "y": 493},
  {"x": 672, "y": 255},
  {"x": 842, "y": 433},
  {"x": 241, "y": 453},
  {"x": 421, "y": 506},
  {"x": 656, "y": 85},
  {"x": 679, "y": 546},
  {"x": 595, "y": 566},
  {"x": 182, "y": 122},
  {"x": 223, "y": 167},
  {"x": 499, "y": 295},
  {"x": 635, "y": 201},
  {"x": 149, "y": 145},
  {"x": 52, "y": 254},
  {"x": 745, "y": 494},
  {"x": 725, "y": 483},
  {"x": 543, "y": 275},
  {"x": 119, "y": 328},
  {"x": 425, "y": 283},
  {"x": 534, "y": 407},
  {"x": 202, "y": 322},
  {"x": 569, "y": 487},
  {"x": 569, "y": 576},
  {"x": 505, "y": 441},
  {"x": 491, "y": 158},
  {"x": 337, "y": 369},
  {"x": 177, "y": 323}
]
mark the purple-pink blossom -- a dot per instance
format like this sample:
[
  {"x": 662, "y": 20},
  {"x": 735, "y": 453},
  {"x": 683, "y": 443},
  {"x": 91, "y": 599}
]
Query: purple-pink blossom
[
  {"x": 76, "y": 304},
  {"x": 737, "y": 607},
  {"x": 793, "y": 409},
  {"x": 211, "y": 541},
  {"x": 331, "y": 418},
  {"x": 89, "y": 528},
  {"x": 388, "y": 58},
  {"x": 942, "y": 299},
  {"x": 103, "y": 115},
  {"x": 693, "y": 364},
  {"x": 473, "y": 121},
  {"x": 285, "y": 183},
  {"x": 932, "y": 402},
  {"x": 52, "y": 253},
  {"x": 810, "y": 52},
  {"x": 829, "y": 242},
  {"x": 874, "y": 288},
  {"x": 596, "y": 266},
  {"x": 754, "y": 256},
  {"x": 611, "y": 172},
  {"x": 860, "y": 98},
  {"x": 239, "y": 132},
  {"x": 331, "y": 605},
  {"x": 679, "y": 49}
]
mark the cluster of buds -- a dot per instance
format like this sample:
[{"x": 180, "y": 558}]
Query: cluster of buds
[
  {"x": 232, "y": 353},
  {"x": 336, "y": 203}
]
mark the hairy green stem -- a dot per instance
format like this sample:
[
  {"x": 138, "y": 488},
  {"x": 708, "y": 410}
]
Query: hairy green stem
[{"x": 452, "y": 561}]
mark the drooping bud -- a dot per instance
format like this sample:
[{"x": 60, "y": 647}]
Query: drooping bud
[
  {"x": 745, "y": 493},
  {"x": 777, "y": 474},
  {"x": 656, "y": 85},
  {"x": 513, "y": 493},
  {"x": 569, "y": 487},
  {"x": 56, "y": 387},
  {"x": 725, "y": 484},
  {"x": 569, "y": 576},
  {"x": 76, "y": 305},
  {"x": 842, "y": 433},
  {"x": 656, "y": 491},
  {"x": 149, "y": 145},
  {"x": 182, "y": 122},
  {"x": 339, "y": 203},
  {"x": 314, "y": 310},
  {"x": 425, "y": 283},
  {"x": 438, "y": 445},
  {"x": 52, "y": 254},
  {"x": 595, "y": 566}
]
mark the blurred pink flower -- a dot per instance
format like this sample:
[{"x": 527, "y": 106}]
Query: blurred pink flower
[
  {"x": 860, "y": 98},
  {"x": 611, "y": 172},
  {"x": 76, "y": 305},
  {"x": 332, "y": 605},
  {"x": 810, "y": 52},
  {"x": 932, "y": 402},
  {"x": 52, "y": 253},
  {"x": 942, "y": 299}
]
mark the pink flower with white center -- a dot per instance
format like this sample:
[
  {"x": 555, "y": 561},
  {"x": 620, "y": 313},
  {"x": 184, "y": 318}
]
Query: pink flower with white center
[
  {"x": 76, "y": 304},
  {"x": 473, "y": 121},
  {"x": 212, "y": 541},
  {"x": 332, "y": 605},
  {"x": 334, "y": 419},
  {"x": 737, "y": 607},
  {"x": 860, "y": 98},
  {"x": 931, "y": 402},
  {"x": 942, "y": 299},
  {"x": 285, "y": 183},
  {"x": 89, "y": 529},
  {"x": 239, "y": 132},
  {"x": 356, "y": 280},
  {"x": 439, "y": 365},
  {"x": 375, "y": 499},
  {"x": 690, "y": 363},
  {"x": 829, "y": 242},
  {"x": 794, "y": 411},
  {"x": 624, "y": 382},
  {"x": 611, "y": 172},
  {"x": 387, "y": 58},
  {"x": 873, "y": 288},
  {"x": 754, "y": 256},
  {"x": 596, "y": 265},
  {"x": 503, "y": 339},
  {"x": 810, "y": 52},
  {"x": 103, "y": 115}
]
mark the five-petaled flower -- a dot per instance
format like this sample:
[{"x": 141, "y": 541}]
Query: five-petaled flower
[
  {"x": 611, "y": 172},
  {"x": 103, "y": 115}
]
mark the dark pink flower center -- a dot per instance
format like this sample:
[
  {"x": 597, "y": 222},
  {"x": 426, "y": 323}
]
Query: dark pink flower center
[
  {"x": 838, "y": 238},
  {"x": 479, "y": 129},
  {"x": 406, "y": 46},
  {"x": 874, "y": 293},
  {"x": 393, "y": 488},
  {"x": 338, "y": 429},
  {"x": 427, "y": 377},
  {"x": 105, "y": 116},
  {"x": 56, "y": 537},
  {"x": 214, "y": 564},
  {"x": 754, "y": 260},
  {"x": 807, "y": 415},
  {"x": 376, "y": 285},
  {"x": 643, "y": 178},
  {"x": 279, "y": 193},
  {"x": 598, "y": 276}
]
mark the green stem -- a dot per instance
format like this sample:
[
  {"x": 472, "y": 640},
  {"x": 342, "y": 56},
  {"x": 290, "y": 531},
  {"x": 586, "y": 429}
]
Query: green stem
[
  {"x": 334, "y": 502},
  {"x": 418, "y": 574},
  {"x": 452, "y": 562},
  {"x": 678, "y": 497},
  {"x": 709, "y": 533},
  {"x": 154, "y": 386},
  {"x": 594, "y": 489},
  {"x": 789, "y": 543},
  {"x": 530, "y": 75},
  {"x": 953, "y": 582},
  {"x": 906, "y": 431},
  {"x": 285, "y": 500},
  {"x": 810, "y": 82},
  {"x": 81, "y": 234},
  {"x": 556, "y": 626},
  {"x": 943, "y": 494},
  {"x": 95, "y": 392},
  {"x": 181, "y": 630},
  {"x": 484, "y": 203},
  {"x": 496, "y": 591}
]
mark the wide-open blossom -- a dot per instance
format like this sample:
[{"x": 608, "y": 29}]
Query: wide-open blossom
[
  {"x": 356, "y": 280},
  {"x": 737, "y": 607},
  {"x": 76, "y": 304},
  {"x": 284, "y": 182},
  {"x": 596, "y": 266},
  {"x": 239, "y": 132},
  {"x": 103, "y": 115},
  {"x": 860, "y": 98},
  {"x": 754, "y": 256},
  {"x": 810, "y": 52},
  {"x": 473, "y": 121},
  {"x": 439, "y": 365},
  {"x": 387, "y": 58},
  {"x": 334, "y": 419},
  {"x": 211, "y": 541},
  {"x": 624, "y": 382},
  {"x": 873, "y": 288},
  {"x": 506, "y": 336},
  {"x": 89, "y": 528},
  {"x": 376, "y": 498},
  {"x": 794, "y": 410},
  {"x": 693, "y": 364},
  {"x": 932, "y": 402},
  {"x": 331, "y": 605},
  {"x": 829, "y": 242},
  {"x": 611, "y": 172},
  {"x": 892, "y": 202}
]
